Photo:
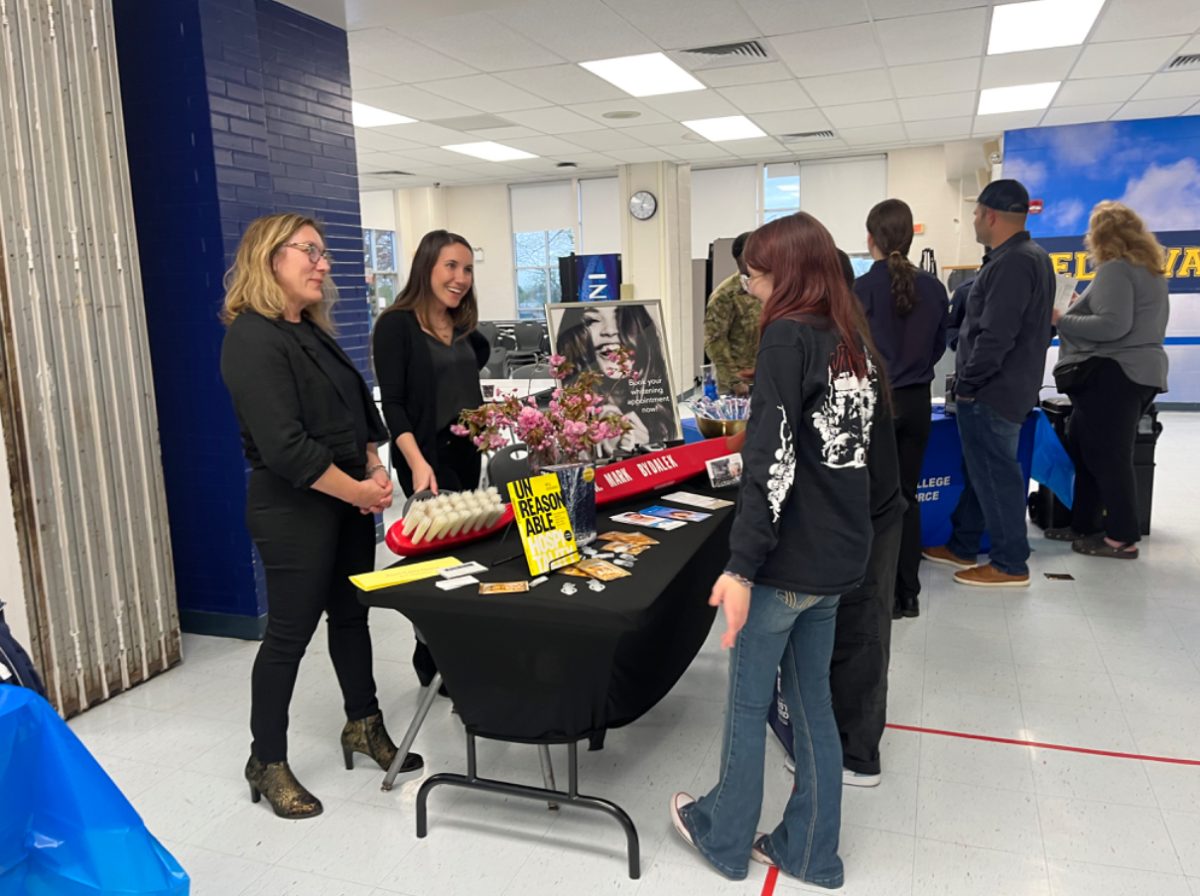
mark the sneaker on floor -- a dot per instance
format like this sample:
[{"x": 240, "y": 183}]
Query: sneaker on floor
[
  {"x": 790, "y": 764},
  {"x": 757, "y": 853},
  {"x": 944, "y": 555},
  {"x": 990, "y": 577},
  {"x": 678, "y": 801},
  {"x": 860, "y": 779}
]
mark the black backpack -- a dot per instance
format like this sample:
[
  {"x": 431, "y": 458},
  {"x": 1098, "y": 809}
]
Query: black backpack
[{"x": 15, "y": 665}]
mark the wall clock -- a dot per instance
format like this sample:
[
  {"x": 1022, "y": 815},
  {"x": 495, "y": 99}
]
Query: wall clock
[{"x": 643, "y": 205}]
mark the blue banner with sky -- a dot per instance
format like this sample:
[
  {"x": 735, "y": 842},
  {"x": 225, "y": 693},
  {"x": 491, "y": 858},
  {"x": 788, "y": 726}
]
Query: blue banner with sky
[{"x": 1152, "y": 165}]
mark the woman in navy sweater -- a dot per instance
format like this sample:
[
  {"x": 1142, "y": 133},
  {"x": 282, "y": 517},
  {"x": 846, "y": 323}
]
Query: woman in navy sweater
[
  {"x": 906, "y": 309},
  {"x": 800, "y": 538}
]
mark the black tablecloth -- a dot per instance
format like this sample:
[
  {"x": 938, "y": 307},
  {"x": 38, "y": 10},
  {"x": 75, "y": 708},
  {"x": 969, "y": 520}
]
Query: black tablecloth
[{"x": 549, "y": 667}]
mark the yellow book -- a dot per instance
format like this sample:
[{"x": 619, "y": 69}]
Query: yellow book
[
  {"x": 402, "y": 574},
  {"x": 542, "y": 519}
]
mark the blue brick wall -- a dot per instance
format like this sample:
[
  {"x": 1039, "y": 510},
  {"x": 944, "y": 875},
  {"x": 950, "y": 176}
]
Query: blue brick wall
[{"x": 232, "y": 109}]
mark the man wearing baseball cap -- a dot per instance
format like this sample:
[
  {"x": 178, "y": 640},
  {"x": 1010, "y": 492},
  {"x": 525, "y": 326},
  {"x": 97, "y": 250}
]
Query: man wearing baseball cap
[{"x": 999, "y": 365}]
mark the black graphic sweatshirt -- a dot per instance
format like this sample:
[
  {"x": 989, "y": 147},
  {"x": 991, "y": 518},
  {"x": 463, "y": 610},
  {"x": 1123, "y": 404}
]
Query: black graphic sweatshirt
[{"x": 803, "y": 520}]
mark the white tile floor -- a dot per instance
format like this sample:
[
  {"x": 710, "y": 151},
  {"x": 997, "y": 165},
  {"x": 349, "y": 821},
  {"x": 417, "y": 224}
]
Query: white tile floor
[{"x": 1110, "y": 661}]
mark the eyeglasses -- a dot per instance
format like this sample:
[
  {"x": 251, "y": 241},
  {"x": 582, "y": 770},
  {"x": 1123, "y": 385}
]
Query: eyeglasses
[
  {"x": 746, "y": 280},
  {"x": 314, "y": 252}
]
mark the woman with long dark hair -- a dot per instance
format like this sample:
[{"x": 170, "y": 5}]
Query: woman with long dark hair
[
  {"x": 800, "y": 538},
  {"x": 906, "y": 309},
  {"x": 1112, "y": 363},
  {"x": 428, "y": 354}
]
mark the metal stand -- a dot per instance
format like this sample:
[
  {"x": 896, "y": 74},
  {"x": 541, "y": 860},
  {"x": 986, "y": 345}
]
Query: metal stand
[
  {"x": 411, "y": 734},
  {"x": 572, "y": 796}
]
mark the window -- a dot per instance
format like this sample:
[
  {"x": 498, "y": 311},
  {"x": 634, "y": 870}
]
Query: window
[
  {"x": 537, "y": 253},
  {"x": 781, "y": 191},
  {"x": 379, "y": 261}
]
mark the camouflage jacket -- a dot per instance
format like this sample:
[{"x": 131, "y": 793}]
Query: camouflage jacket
[{"x": 731, "y": 323}]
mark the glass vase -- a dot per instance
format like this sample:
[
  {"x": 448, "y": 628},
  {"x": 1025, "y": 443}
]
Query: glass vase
[{"x": 578, "y": 483}]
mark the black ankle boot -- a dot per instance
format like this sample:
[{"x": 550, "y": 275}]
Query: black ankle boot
[
  {"x": 369, "y": 737},
  {"x": 287, "y": 796},
  {"x": 910, "y": 607}
]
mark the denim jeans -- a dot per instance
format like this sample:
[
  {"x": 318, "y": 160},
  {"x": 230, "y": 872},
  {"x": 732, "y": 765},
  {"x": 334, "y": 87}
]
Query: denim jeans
[
  {"x": 793, "y": 634},
  {"x": 993, "y": 497}
]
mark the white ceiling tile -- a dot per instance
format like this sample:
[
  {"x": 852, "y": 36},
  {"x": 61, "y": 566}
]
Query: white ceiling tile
[
  {"x": 481, "y": 41},
  {"x": 994, "y": 125},
  {"x": 1159, "y": 108},
  {"x": 1131, "y": 19},
  {"x": 757, "y": 73},
  {"x": 372, "y": 140},
  {"x": 514, "y": 132},
  {"x": 595, "y": 111},
  {"x": 552, "y": 120},
  {"x": 940, "y": 129},
  {"x": 929, "y": 38},
  {"x": 1098, "y": 90},
  {"x": 1079, "y": 114},
  {"x": 895, "y": 9},
  {"x": 658, "y": 134},
  {"x": 691, "y": 105},
  {"x": 413, "y": 102},
  {"x": 783, "y": 16},
  {"x": 426, "y": 134},
  {"x": 605, "y": 139},
  {"x": 544, "y": 146},
  {"x": 690, "y": 23},
  {"x": 849, "y": 87},
  {"x": 830, "y": 50},
  {"x": 562, "y": 84},
  {"x": 948, "y": 105},
  {"x": 692, "y": 152},
  {"x": 1192, "y": 46},
  {"x": 772, "y": 97},
  {"x": 556, "y": 24},
  {"x": 862, "y": 114},
  {"x": 929, "y": 78},
  {"x": 820, "y": 149},
  {"x": 1127, "y": 57},
  {"x": 755, "y": 147},
  {"x": 641, "y": 154},
  {"x": 437, "y": 156},
  {"x": 1032, "y": 67},
  {"x": 389, "y": 52},
  {"x": 794, "y": 122},
  {"x": 484, "y": 92},
  {"x": 582, "y": 159},
  {"x": 362, "y": 78},
  {"x": 881, "y": 133},
  {"x": 1170, "y": 84}
]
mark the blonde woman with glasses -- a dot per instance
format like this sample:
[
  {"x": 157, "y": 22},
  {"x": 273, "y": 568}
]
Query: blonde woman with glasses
[
  {"x": 309, "y": 431},
  {"x": 1112, "y": 364}
]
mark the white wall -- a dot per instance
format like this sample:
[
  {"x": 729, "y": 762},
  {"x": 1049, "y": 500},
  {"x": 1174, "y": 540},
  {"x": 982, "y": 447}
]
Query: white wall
[
  {"x": 918, "y": 176},
  {"x": 839, "y": 193},
  {"x": 482, "y": 215},
  {"x": 378, "y": 209},
  {"x": 724, "y": 204},
  {"x": 600, "y": 209}
]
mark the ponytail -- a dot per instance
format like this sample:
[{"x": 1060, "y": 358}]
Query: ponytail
[
  {"x": 903, "y": 282},
  {"x": 890, "y": 224}
]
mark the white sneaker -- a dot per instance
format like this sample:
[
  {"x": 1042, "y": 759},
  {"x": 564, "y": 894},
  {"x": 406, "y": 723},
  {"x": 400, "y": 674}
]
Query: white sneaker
[
  {"x": 790, "y": 764},
  {"x": 858, "y": 779},
  {"x": 757, "y": 853},
  {"x": 678, "y": 801}
]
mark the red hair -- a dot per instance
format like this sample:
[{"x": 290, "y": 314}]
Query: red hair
[{"x": 802, "y": 259}]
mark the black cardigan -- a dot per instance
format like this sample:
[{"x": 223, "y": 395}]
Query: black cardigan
[
  {"x": 404, "y": 369},
  {"x": 294, "y": 420}
]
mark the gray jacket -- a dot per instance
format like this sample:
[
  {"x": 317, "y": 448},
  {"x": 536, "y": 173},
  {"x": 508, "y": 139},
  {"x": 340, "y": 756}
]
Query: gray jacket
[{"x": 1122, "y": 315}]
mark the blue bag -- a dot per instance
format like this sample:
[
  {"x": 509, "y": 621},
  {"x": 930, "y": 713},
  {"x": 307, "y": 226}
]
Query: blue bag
[{"x": 15, "y": 665}]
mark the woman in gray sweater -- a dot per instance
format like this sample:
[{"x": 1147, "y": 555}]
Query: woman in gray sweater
[{"x": 1112, "y": 364}]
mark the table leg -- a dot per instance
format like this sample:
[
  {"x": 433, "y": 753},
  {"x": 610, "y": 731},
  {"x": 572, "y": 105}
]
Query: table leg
[
  {"x": 547, "y": 772},
  {"x": 411, "y": 734}
]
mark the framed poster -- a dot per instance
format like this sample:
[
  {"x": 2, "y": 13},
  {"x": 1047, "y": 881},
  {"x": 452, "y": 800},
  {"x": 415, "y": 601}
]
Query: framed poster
[{"x": 582, "y": 332}]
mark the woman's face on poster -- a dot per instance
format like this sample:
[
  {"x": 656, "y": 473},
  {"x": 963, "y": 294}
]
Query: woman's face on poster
[{"x": 603, "y": 335}]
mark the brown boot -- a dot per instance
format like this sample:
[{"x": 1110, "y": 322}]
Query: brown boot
[
  {"x": 287, "y": 796},
  {"x": 369, "y": 737},
  {"x": 942, "y": 554}
]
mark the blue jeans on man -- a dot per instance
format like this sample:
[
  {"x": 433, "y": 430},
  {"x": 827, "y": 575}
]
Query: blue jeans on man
[
  {"x": 993, "y": 497},
  {"x": 792, "y": 634}
]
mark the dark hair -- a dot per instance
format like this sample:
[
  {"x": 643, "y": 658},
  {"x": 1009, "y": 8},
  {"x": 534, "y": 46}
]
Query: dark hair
[
  {"x": 890, "y": 224},
  {"x": 417, "y": 295},
  {"x": 809, "y": 282},
  {"x": 847, "y": 268},
  {"x": 739, "y": 245}
]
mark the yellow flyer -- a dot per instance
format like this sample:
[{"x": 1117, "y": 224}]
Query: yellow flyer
[{"x": 542, "y": 520}]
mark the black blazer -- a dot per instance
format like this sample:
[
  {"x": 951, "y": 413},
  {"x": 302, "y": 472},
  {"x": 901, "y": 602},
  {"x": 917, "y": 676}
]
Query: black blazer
[
  {"x": 294, "y": 420},
  {"x": 404, "y": 369}
]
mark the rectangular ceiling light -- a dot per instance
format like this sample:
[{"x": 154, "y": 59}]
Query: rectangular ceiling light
[
  {"x": 1021, "y": 98},
  {"x": 728, "y": 127},
  {"x": 1041, "y": 24},
  {"x": 369, "y": 117},
  {"x": 649, "y": 74},
  {"x": 490, "y": 151}
]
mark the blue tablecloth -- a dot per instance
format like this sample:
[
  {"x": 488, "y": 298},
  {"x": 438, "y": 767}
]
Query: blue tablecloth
[{"x": 65, "y": 828}]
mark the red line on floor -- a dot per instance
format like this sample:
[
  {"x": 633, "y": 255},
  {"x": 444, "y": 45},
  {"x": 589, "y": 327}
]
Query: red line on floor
[
  {"x": 769, "y": 883},
  {"x": 1034, "y": 743}
]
